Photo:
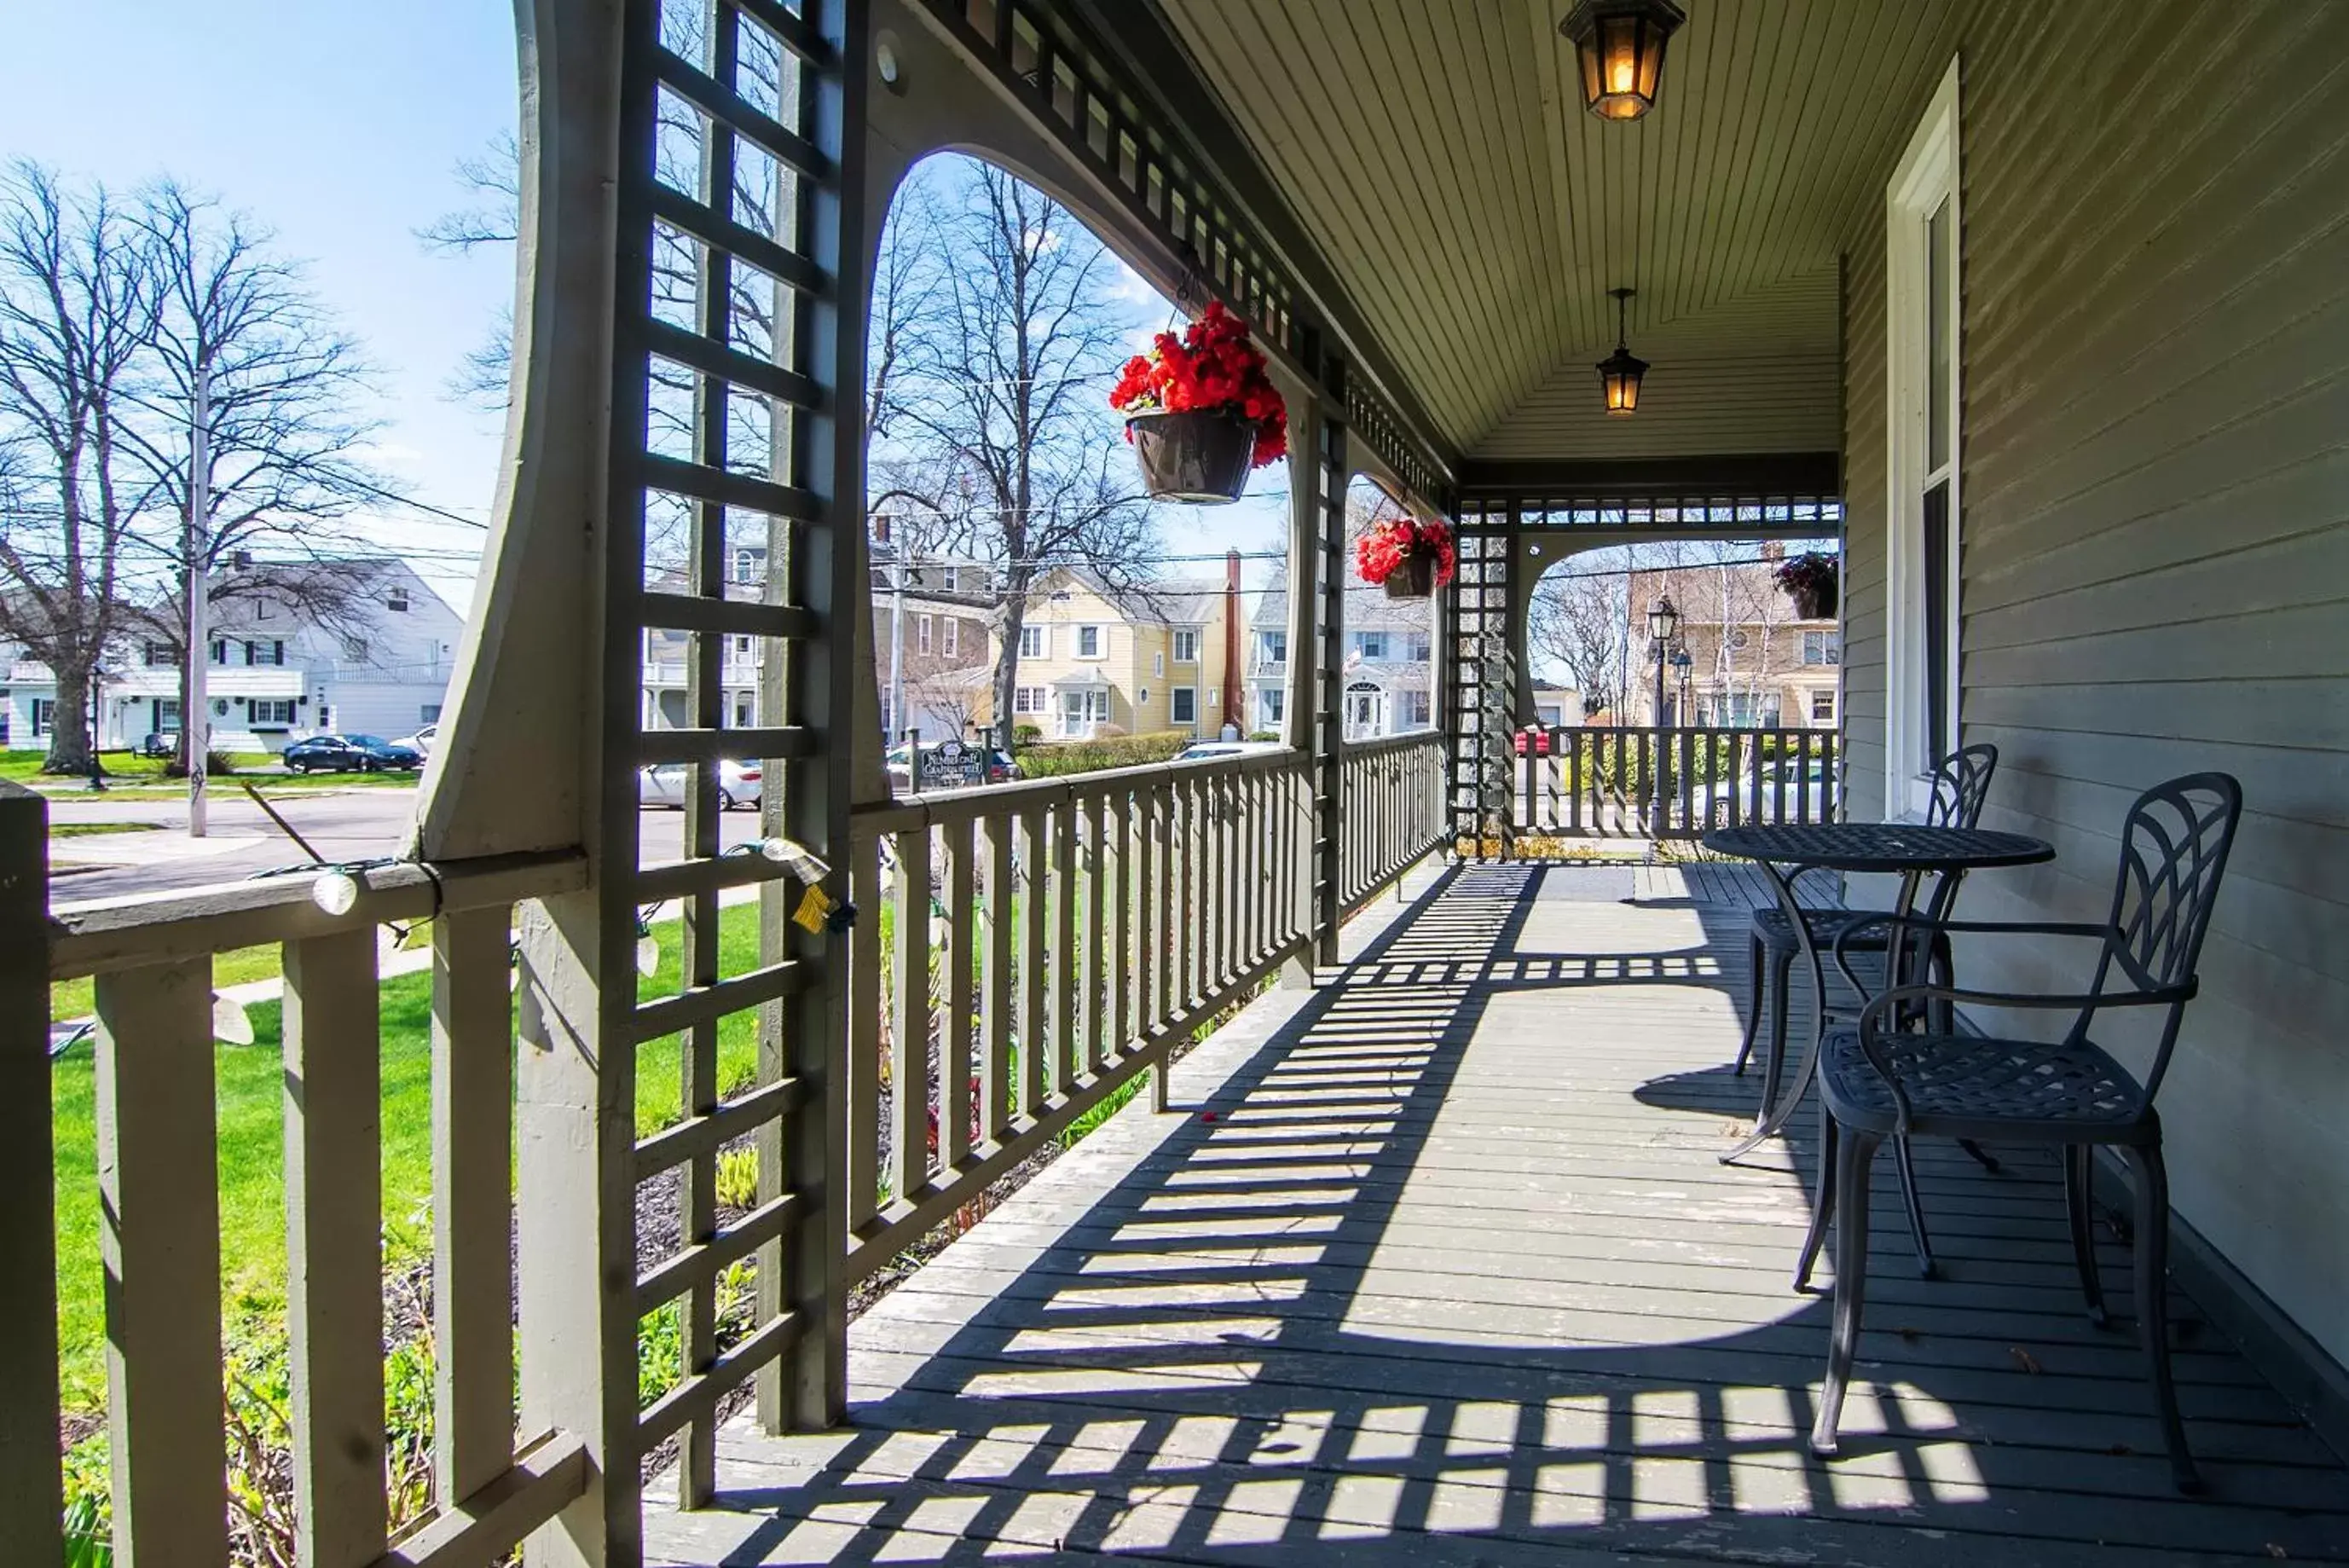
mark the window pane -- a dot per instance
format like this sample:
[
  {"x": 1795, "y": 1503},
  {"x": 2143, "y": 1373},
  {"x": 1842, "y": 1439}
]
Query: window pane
[
  {"x": 1940, "y": 257},
  {"x": 1940, "y": 733}
]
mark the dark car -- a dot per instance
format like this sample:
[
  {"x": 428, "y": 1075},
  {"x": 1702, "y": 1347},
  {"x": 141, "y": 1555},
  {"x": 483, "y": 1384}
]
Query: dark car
[{"x": 349, "y": 754}]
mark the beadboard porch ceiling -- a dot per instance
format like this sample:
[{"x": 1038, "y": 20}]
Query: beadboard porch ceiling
[{"x": 1438, "y": 152}]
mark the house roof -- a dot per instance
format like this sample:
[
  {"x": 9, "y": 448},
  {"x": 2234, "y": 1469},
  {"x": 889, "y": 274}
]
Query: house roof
[{"x": 1170, "y": 602}]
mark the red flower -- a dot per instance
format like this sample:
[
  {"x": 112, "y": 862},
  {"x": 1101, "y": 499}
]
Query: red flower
[
  {"x": 1382, "y": 552},
  {"x": 1212, "y": 365}
]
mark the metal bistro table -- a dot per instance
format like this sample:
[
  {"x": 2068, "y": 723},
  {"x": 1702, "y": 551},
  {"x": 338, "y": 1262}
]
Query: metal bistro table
[{"x": 1910, "y": 851}]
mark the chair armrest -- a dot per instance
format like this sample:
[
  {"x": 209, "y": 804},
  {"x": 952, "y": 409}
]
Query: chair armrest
[{"x": 2168, "y": 995}]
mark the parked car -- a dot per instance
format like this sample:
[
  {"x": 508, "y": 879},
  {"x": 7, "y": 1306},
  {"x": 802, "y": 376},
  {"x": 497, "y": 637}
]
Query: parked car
[
  {"x": 1202, "y": 750},
  {"x": 1538, "y": 738},
  {"x": 350, "y": 753},
  {"x": 665, "y": 783},
  {"x": 421, "y": 740},
  {"x": 1806, "y": 794},
  {"x": 1001, "y": 767}
]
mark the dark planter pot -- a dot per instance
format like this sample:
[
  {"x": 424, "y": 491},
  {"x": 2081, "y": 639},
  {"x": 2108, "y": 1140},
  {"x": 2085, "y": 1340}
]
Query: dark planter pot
[
  {"x": 1198, "y": 458},
  {"x": 1414, "y": 579},
  {"x": 1817, "y": 604}
]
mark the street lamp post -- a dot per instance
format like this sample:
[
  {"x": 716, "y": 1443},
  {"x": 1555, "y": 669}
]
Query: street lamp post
[{"x": 1663, "y": 626}]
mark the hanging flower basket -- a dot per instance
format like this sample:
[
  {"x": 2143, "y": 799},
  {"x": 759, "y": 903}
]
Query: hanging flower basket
[
  {"x": 1414, "y": 579},
  {"x": 1201, "y": 412},
  {"x": 1199, "y": 457},
  {"x": 1409, "y": 558},
  {"x": 1812, "y": 581}
]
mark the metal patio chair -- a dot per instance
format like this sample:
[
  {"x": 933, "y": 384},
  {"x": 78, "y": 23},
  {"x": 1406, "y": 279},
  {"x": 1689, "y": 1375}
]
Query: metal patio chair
[{"x": 1896, "y": 1075}]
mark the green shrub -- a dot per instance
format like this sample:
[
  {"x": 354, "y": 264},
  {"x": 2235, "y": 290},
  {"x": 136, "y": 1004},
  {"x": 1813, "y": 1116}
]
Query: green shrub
[
  {"x": 1026, "y": 735},
  {"x": 737, "y": 1178},
  {"x": 1063, "y": 757}
]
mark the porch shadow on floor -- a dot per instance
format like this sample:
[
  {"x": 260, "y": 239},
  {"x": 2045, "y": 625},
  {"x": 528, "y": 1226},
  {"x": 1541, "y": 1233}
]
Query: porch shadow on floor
[{"x": 1438, "y": 1265}]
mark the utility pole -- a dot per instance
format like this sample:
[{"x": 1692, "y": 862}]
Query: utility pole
[{"x": 195, "y": 704}]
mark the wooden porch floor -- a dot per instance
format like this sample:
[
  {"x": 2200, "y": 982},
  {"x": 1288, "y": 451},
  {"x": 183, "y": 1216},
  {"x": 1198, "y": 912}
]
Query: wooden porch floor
[{"x": 1437, "y": 1265}]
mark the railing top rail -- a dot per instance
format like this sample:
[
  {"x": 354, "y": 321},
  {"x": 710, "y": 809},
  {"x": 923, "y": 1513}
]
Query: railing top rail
[
  {"x": 1386, "y": 743},
  {"x": 123, "y": 934},
  {"x": 941, "y": 807}
]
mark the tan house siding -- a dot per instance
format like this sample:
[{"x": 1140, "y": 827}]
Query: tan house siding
[
  {"x": 2155, "y": 575},
  {"x": 1138, "y": 655}
]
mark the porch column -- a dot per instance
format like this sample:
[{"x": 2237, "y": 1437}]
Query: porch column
[
  {"x": 31, "y": 1483},
  {"x": 1317, "y": 615}
]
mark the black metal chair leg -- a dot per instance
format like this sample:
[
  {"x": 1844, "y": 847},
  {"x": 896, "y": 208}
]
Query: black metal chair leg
[
  {"x": 2153, "y": 1305},
  {"x": 1982, "y": 1156},
  {"x": 1905, "y": 1160},
  {"x": 1823, "y": 1202},
  {"x": 2076, "y": 1158},
  {"x": 1782, "y": 970},
  {"x": 1850, "y": 1286},
  {"x": 1753, "y": 1007}
]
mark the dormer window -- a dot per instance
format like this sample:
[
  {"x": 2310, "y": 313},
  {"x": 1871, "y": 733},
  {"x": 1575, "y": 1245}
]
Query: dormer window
[
  {"x": 744, "y": 566},
  {"x": 396, "y": 601}
]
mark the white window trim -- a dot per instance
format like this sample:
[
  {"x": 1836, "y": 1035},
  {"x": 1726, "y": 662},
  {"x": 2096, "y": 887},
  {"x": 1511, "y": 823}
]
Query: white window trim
[
  {"x": 1158, "y": 663},
  {"x": 1043, "y": 642},
  {"x": 1174, "y": 705},
  {"x": 1180, "y": 656},
  {"x": 950, "y": 636},
  {"x": 1101, "y": 643},
  {"x": 1928, "y": 171}
]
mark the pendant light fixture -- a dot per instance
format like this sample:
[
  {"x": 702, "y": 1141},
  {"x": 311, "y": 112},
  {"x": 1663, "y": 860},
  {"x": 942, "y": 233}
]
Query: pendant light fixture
[
  {"x": 1620, "y": 47},
  {"x": 1619, "y": 372}
]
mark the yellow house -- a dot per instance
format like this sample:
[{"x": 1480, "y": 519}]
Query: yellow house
[{"x": 1095, "y": 659}]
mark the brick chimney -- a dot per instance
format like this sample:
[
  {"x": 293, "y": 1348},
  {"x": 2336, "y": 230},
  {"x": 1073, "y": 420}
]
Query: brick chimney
[{"x": 1232, "y": 710}]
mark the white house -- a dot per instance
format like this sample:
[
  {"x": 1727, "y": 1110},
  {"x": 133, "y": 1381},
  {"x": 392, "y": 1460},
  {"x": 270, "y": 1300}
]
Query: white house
[
  {"x": 276, "y": 673},
  {"x": 1387, "y": 684}
]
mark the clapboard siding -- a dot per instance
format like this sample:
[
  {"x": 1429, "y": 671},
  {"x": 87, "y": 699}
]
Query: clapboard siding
[{"x": 2156, "y": 541}]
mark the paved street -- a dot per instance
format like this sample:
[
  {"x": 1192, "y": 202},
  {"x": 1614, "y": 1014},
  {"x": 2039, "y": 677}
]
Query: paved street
[{"x": 342, "y": 825}]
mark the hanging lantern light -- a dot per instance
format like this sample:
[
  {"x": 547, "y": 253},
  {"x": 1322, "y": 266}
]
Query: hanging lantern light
[
  {"x": 1619, "y": 372},
  {"x": 1620, "y": 44}
]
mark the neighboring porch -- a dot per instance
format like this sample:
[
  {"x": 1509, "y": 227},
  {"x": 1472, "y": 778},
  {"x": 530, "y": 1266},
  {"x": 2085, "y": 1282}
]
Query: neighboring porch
[{"x": 1438, "y": 1263}]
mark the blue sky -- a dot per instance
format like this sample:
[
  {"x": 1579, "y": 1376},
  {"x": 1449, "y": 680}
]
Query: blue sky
[{"x": 339, "y": 126}]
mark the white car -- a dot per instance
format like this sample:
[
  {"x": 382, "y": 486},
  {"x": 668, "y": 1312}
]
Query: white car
[
  {"x": 1807, "y": 795},
  {"x": 422, "y": 740},
  {"x": 665, "y": 783}
]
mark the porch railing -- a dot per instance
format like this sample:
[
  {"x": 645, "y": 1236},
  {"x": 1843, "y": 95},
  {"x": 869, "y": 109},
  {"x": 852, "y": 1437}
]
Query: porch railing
[
  {"x": 1669, "y": 783},
  {"x": 1109, "y": 915},
  {"x": 1393, "y": 794},
  {"x": 1018, "y": 956},
  {"x": 159, "y": 1219}
]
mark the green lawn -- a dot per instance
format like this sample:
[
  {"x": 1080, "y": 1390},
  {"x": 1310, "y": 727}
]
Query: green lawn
[
  {"x": 250, "y": 1086},
  {"x": 99, "y": 829},
  {"x": 133, "y": 778},
  {"x": 76, "y": 998}
]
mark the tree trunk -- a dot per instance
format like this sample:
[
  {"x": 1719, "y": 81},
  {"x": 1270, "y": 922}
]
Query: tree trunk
[
  {"x": 1007, "y": 666},
  {"x": 69, "y": 738}
]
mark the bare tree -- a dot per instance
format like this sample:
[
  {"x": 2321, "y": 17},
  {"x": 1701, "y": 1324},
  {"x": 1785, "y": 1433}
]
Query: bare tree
[
  {"x": 494, "y": 177},
  {"x": 1577, "y": 625},
  {"x": 284, "y": 452},
  {"x": 78, "y": 304},
  {"x": 1007, "y": 377}
]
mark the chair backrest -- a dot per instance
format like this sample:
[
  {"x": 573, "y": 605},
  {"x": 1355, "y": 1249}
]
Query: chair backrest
[
  {"x": 1961, "y": 784},
  {"x": 2174, "y": 847}
]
